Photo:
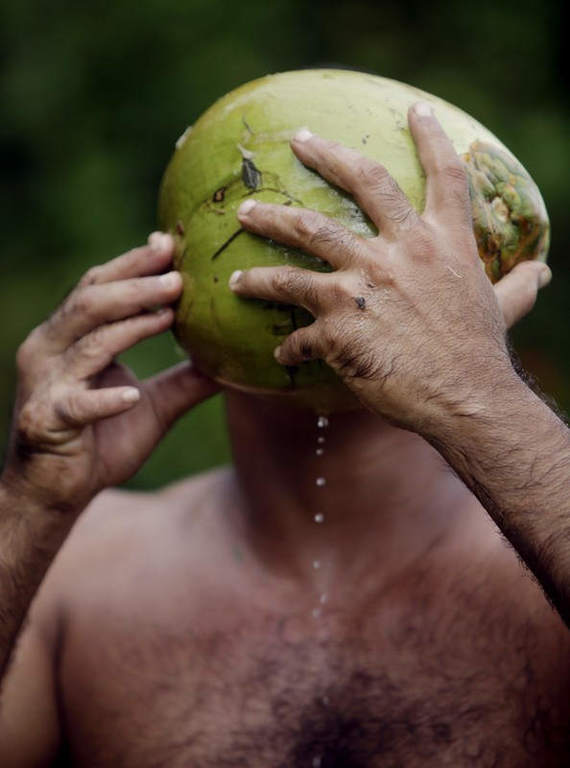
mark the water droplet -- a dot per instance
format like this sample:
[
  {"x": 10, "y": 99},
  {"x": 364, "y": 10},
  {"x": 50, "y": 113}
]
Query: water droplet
[
  {"x": 322, "y": 422},
  {"x": 321, "y": 439},
  {"x": 320, "y": 451},
  {"x": 320, "y": 481},
  {"x": 316, "y": 613},
  {"x": 317, "y": 761},
  {"x": 319, "y": 518},
  {"x": 323, "y": 598},
  {"x": 316, "y": 564}
]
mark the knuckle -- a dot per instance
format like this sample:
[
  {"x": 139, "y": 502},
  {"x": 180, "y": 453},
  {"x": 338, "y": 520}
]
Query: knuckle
[
  {"x": 81, "y": 303},
  {"x": 354, "y": 361},
  {"x": 91, "y": 277},
  {"x": 402, "y": 213},
  {"x": 31, "y": 349},
  {"x": 29, "y": 426},
  {"x": 305, "y": 224},
  {"x": 299, "y": 346},
  {"x": 325, "y": 233},
  {"x": 528, "y": 296},
  {"x": 69, "y": 410},
  {"x": 453, "y": 173},
  {"x": 287, "y": 280},
  {"x": 92, "y": 346},
  {"x": 25, "y": 355},
  {"x": 372, "y": 174},
  {"x": 135, "y": 289},
  {"x": 305, "y": 349},
  {"x": 291, "y": 347}
]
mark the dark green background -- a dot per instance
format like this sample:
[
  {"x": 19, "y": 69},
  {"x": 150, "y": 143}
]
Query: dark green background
[{"x": 94, "y": 95}]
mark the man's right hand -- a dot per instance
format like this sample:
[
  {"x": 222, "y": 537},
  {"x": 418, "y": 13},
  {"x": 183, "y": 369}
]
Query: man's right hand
[{"x": 82, "y": 422}]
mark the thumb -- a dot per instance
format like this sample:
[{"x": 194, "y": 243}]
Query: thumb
[
  {"x": 517, "y": 291},
  {"x": 176, "y": 390}
]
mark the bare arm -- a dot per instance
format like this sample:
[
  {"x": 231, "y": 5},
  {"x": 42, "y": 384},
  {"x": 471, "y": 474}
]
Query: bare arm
[
  {"x": 30, "y": 537},
  {"x": 82, "y": 422},
  {"x": 514, "y": 454}
]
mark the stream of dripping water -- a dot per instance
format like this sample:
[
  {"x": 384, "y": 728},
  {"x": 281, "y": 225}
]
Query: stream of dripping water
[{"x": 319, "y": 519}]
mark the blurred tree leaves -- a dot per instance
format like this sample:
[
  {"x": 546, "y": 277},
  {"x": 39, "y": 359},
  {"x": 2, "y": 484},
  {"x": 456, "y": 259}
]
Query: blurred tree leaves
[{"x": 94, "y": 94}]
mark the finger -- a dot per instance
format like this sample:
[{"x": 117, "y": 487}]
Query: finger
[
  {"x": 302, "y": 345},
  {"x": 94, "y": 352},
  {"x": 177, "y": 389},
  {"x": 89, "y": 307},
  {"x": 517, "y": 291},
  {"x": 301, "y": 228},
  {"x": 78, "y": 407},
  {"x": 368, "y": 182},
  {"x": 288, "y": 285},
  {"x": 447, "y": 188},
  {"x": 145, "y": 260}
]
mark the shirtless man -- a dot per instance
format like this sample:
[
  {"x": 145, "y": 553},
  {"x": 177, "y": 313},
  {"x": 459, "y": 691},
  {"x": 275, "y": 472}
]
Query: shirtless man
[{"x": 214, "y": 623}]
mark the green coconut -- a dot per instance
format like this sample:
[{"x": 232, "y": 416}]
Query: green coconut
[{"x": 239, "y": 148}]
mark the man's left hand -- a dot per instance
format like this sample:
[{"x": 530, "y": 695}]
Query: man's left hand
[{"x": 408, "y": 319}]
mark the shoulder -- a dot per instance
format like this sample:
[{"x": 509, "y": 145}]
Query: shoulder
[{"x": 116, "y": 529}]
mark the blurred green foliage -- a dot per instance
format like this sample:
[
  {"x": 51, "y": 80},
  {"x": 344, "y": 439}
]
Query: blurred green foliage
[{"x": 94, "y": 95}]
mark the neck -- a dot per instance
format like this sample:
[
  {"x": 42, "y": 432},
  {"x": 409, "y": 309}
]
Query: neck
[{"x": 371, "y": 488}]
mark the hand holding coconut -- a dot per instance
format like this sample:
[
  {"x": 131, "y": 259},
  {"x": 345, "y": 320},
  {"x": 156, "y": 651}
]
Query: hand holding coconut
[
  {"x": 408, "y": 319},
  {"x": 83, "y": 422},
  {"x": 411, "y": 323}
]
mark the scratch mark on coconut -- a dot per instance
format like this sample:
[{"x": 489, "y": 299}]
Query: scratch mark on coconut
[
  {"x": 229, "y": 241},
  {"x": 290, "y": 198},
  {"x": 247, "y": 126}
]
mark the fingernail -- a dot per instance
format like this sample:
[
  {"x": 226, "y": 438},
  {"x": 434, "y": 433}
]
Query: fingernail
[
  {"x": 246, "y": 207},
  {"x": 544, "y": 276},
  {"x": 131, "y": 395},
  {"x": 303, "y": 134},
  {"x": 171, "y": 280},
  {"x": 159, "y": 241},
  {"x": 234, "y": 278},
  {"x": 423, "y": 109},
  {"x": 277, "y": 353}
]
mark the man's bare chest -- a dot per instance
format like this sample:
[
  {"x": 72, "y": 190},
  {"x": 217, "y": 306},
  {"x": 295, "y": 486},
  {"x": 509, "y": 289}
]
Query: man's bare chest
[{"x": 273, "y": 692}]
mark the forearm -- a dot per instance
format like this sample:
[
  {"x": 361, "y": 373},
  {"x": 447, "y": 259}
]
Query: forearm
[
  {"x": 30, "y": 537},
  {"x": 514, "y": 454}
]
